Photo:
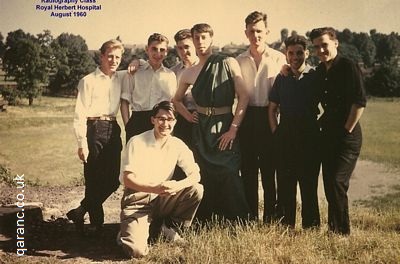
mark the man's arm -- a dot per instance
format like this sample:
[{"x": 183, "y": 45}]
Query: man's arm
[
  {"x": 273, "y": 116},
  {"x": 80, "y": 117},
  {"x": 183, "y": 85},
  {"x": 124, "y": 111},
  {"x": 243, "y": 99},
  {"x": 134, "y": 183},
  {"x": 127, "y": 86},
  {"x": 355, "y": 114}
]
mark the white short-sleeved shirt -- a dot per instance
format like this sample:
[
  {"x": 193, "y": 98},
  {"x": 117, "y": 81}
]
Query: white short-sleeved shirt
[
  {"x": 259, "y": 81},
  {"x": 98, "y": 95},
  {"x": 150, "y": 160},
  {"x": 147, "y": 87}
]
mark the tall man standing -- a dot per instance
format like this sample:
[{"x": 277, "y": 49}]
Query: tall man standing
[
  {"x": 98, "y": 134},
  {"x": 260, "y": 65},
  {"x": 151, "y": 84},
  {"x": 343, "y": 100},
  {"x": 215, "y": 81}
]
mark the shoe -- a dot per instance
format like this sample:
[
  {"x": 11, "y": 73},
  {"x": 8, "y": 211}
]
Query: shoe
[
  {"x": 170, "y": 234},
  {"x": 77, "y": 217}
]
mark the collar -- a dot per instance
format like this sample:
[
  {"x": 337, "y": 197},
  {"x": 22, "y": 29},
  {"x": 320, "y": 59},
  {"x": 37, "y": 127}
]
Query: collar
[
  {"x": 306, "y": 70},
  {"x": 153, "y": 141},
  {"x": 98, "y": 72},
  {"x": 266, "y": 52},
  {"x": 147, "y": 66}
]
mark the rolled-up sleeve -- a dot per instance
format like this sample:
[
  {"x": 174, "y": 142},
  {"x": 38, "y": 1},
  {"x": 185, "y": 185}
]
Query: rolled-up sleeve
[
  {"x": 187, "y": 163},
  {"x": 127, "y": 86}
]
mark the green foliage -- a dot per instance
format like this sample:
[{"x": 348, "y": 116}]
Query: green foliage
[
  {"x": 385, "y": 81},
  {"x": 24, "y": 61},
  {"x": 72, "y": 61},
  {"x": 2, "y": 46}
]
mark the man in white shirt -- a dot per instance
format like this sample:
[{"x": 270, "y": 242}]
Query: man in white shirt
[
  {"x": 150, "y": 193},
  {"x": 98, "y": 134},
  {"x": 152, "y": 83},
  {"x": 260, "y": 65}
]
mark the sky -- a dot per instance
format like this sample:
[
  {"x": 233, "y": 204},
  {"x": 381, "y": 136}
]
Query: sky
[{"x": 135, "y": 20}]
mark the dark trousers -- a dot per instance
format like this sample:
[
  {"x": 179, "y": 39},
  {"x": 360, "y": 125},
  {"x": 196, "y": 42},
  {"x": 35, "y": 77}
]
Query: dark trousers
[
  {"x": 297, "y": 150},
  {"x": 139, "y": 122},
  {"x": 340, "y": 154},
  {"x": 102, "y": 168},
  {"x": 257, "y": 154},
  {"x": 183, "y": 130}
]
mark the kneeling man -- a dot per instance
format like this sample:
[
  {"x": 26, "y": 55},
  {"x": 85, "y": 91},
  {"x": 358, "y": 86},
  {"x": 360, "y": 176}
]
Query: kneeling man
[{"x": 150, "y": 193}]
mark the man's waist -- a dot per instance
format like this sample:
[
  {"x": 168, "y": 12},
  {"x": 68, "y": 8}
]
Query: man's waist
[
  {"x": 210, "y": 111},
  {"x": 102, "y": 118}
]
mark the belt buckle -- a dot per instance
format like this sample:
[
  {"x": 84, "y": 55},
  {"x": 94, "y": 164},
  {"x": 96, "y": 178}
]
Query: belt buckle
[{"x": 210, "y": 111}]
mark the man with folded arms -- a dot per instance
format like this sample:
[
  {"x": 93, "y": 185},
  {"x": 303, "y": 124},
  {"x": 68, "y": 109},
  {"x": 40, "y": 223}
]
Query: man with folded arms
[{"x": 98, "y": 134}]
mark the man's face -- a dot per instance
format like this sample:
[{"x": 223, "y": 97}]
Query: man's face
[
  {"x": 157, "y": 51},
  {"x": 325, "y": 48},
  {"x": 110, "y": 60},
  {"x": 186, "y": 50},
  {"x": 256, "y": 33},
  {"x": 202, "y": 42},
  {"x": 296, "y": 56},
  {"x": 164, "y": 123}
]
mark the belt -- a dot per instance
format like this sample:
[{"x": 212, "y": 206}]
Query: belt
[
  {"x": 210, "y": 111},
  {"x": 102, "y": 118}
]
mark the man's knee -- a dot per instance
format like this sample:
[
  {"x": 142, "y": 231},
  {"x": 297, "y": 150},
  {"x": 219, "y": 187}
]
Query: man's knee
[
  {"x": 134, "y": 250},
  {"x": 197, "y": 191}
]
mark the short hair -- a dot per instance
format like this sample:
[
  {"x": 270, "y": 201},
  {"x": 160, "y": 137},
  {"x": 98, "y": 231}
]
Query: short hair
[
  {"x": 296, "y": 40},
  {"x": 163, "y": 105},
  {"x": 182, "y": 34},
  {"x": 112, "y": 44},
  {"x": 202, "y": 28},
  {"x": 157, "y": 37},
  {"x": 318, "y": 32},
  {"x": 255, "y": 17}
]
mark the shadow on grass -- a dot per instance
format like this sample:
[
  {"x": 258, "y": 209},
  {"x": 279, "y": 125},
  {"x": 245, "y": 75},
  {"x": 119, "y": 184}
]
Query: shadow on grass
[
  {"x": 60, "y": 240},
  {"x": 382, "y": 203}
]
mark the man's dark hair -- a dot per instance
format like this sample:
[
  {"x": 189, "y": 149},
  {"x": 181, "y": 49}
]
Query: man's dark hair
[
  {"x": 182, "y": 34},
  {"x": 157, "y": 37},
  {"x": 296, "y": 40},
  {"x": 255, "y": 17},
  {"x": 163, "y": 105},
  {"x": 202, "y": 28},
  {"x": 318, "y": 32}
]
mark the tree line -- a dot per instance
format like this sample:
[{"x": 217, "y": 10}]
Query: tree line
[{"x": 38, "y": 63}]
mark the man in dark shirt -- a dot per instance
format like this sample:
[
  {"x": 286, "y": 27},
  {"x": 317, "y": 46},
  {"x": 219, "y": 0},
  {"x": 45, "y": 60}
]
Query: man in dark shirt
[
  {"x": 296, "y": 136},
  {"x": 343, "y": 100}
]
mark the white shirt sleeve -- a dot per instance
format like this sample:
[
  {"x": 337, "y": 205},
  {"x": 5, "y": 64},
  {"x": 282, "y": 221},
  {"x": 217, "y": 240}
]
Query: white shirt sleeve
[
  {"x": 80, "y": 115},
  {"x": 187, "y": 163},
  {"x": 127, "y": 86}
]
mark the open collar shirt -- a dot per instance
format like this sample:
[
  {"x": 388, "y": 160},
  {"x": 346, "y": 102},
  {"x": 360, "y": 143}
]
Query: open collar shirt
[
  {"x": 98, "y": 95},
  {"x": 155, "y": 162},
  {"x": 147, "y": 87},
  {"x": 259, "y": 81}
]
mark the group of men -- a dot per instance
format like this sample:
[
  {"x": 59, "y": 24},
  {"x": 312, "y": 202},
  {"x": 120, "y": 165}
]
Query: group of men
[{"x": 209, "y": 170}]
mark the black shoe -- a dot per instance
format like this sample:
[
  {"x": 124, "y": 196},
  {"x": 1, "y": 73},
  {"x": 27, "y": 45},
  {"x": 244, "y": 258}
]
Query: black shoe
[{"x": 78, "y": 220}]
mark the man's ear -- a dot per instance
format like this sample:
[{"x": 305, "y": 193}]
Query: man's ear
[{"x": 306, "y": 53}]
